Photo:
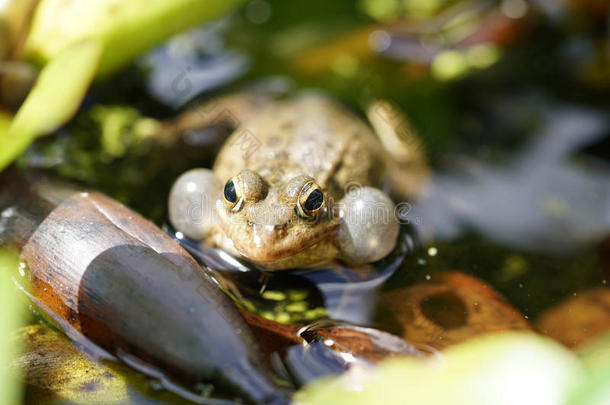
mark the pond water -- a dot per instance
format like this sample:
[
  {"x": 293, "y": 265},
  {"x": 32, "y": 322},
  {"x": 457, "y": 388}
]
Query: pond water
[{"x": 520, "y": 192}]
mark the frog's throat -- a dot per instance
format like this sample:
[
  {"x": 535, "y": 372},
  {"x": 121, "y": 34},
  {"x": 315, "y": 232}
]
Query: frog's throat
[
  {"x": 307, "y": 249},
  {"x": 320, "y": 253}
]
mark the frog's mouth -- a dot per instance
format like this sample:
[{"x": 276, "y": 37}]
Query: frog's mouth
[
  {"x": 319, "y": 253},
  {"x": 266, "y": 245},
  {"x": 264, "y": 242}
]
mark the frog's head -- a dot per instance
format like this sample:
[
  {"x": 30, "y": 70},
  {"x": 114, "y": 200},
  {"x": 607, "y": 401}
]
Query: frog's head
[{"x": 268, "y": 222}]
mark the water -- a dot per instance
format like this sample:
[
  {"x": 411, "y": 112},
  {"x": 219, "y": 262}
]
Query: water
[
  {"x": 347, "y": 294},
  {"x": 520, "y": 196}
]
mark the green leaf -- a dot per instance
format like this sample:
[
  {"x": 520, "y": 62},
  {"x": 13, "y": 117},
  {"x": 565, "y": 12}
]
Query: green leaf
[
  {"x": 595, "y": 353},
  {"x": 10, "y": 392},
  {"x": 5, "y": 124},
  {"x": 81, "y": 39},
  {"x": 502, "y": 369},
  {"x": 595, "y": 390},
  {"x": 56, "y": 96},
  {"x": 125, "y": 28}
]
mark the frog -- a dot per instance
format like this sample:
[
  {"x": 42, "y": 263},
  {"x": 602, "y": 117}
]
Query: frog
[{"x": 299, "y": 182}]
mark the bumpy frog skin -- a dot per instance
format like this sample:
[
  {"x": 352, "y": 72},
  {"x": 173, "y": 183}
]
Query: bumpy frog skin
[{"x": 270, "y": 166}]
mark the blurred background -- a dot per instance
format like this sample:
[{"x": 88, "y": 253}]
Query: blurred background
[{"x": 510, "y": 98}]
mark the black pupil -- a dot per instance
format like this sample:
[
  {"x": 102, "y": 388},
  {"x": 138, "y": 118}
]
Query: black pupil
[
  {"x": 230, "y": 194},
  {"x": 314, "y": 201}
]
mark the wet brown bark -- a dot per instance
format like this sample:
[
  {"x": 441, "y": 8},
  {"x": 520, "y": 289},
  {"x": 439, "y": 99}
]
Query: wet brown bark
[{"x": 128, "y": 287}]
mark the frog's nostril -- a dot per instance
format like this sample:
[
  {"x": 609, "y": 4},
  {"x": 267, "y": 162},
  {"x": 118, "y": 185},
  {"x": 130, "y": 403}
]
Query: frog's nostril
[{"x": 280, "y": 231}]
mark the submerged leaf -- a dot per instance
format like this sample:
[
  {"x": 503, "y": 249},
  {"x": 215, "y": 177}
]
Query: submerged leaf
[
  {"x": 54, "y": 371},
  {"x": 449, "y": 309},
  {"x": 578, "y": 318}
]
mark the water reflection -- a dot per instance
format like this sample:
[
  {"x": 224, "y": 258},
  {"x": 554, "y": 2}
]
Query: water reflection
[
  {"x": 192, "y": 63},
  {"x": 325, "y": 350},
  {"x": 351, "y": 293},
  {"x": 347, "y": 294},
  {"x": 546, "y": 198}
]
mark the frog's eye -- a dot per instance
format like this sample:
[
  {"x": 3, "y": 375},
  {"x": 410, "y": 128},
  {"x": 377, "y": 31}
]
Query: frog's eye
[
  {"x": 311, "y": 199},
  {"x": 233, "y": 195}
]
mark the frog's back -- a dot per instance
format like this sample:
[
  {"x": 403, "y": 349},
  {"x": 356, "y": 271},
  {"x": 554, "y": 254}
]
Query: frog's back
[{"x": 309, "y": 135}]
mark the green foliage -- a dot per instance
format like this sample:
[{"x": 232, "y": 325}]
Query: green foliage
[
  {"x": 79, "y": 40},
  {"x": 596, "y": 357},
  {"x": 5, "y": 124},
  {"x": 124, "y": 28},
  {"x": 594, "y": 390},
  {"x": 507, "y": 368},
  {"x": 10, "y": 391},
  {"x": 53, "y": 100},
  {"x": 108, "y": 139},
  {"x": 596, "y": 352}
]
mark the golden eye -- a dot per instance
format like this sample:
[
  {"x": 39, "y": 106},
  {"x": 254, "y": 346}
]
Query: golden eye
[
  {"x": 311, "y": 200},
  {"x": 233, "y": 195}
]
